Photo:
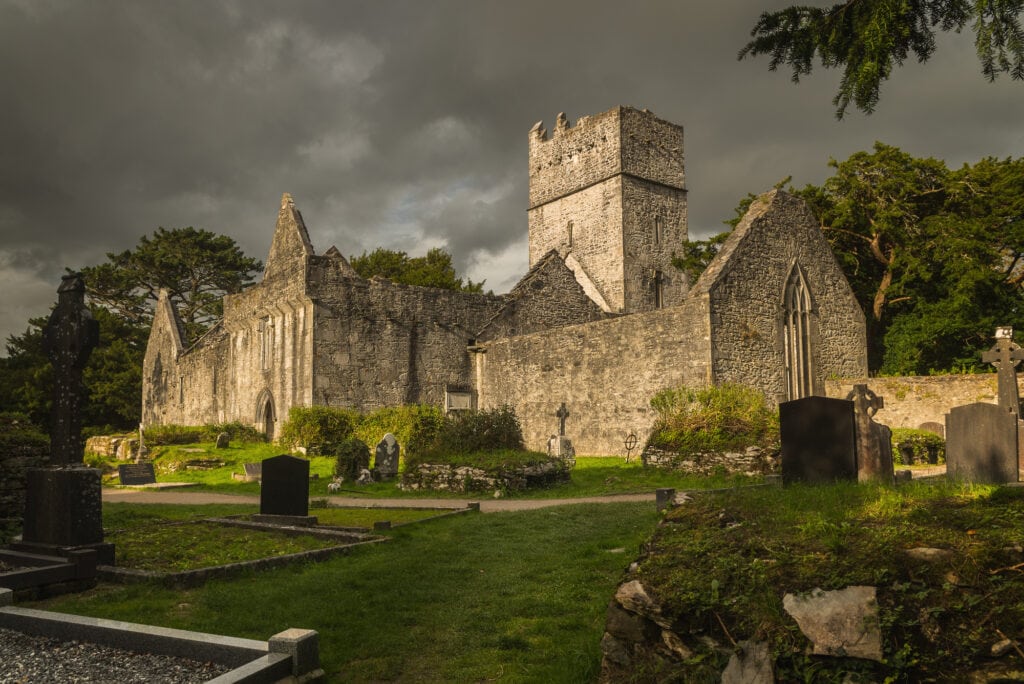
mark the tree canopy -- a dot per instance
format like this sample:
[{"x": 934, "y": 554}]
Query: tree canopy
[
  {"x": 869, "y": 38},
  {"x": 435, "y": 269},
  {"x": 196, "y": 267}
]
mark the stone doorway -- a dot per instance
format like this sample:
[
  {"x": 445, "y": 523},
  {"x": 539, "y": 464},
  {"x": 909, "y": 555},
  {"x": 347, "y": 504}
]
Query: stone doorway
[{"x": 266, "y": 417}]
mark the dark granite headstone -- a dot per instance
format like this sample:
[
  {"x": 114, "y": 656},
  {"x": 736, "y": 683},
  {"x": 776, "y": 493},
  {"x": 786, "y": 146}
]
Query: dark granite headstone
[
  {"x": 385, "y": 461},
  {"x": 981, "y": 444},
  {"x": 285, "y": 489},
  {"x": 223, "y": 441},
  {"x": 817, "y": 440},
  {"x": 136, "y": 474},
  {"x": 72, "y": 514}
]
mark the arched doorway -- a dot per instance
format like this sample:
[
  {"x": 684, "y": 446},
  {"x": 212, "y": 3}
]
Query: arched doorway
[{"x": 266, "y": 416}]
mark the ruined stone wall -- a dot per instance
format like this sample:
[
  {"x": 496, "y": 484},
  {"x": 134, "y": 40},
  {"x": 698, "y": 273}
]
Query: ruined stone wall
[
  {"x": 378, "y": 344},
  {"x": 913, "y": 400},
  {"x": 547, "y": 297},
  {"x": 21, "y": 448},
  {"x": 606, "y": 373},
  {"x": 746, "y": 286}
]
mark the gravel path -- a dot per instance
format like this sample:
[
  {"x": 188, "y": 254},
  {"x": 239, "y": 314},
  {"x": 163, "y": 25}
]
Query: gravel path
[{"x": 28, "y": 659}]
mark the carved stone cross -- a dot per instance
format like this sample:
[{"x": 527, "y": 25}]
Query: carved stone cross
[
  {"x": 874, "y": 450},
  {"x": 865, "y": 401},
  {"x": 562, "y": 413},
  {"x": 70, "y": 335},
  {"x": 1006, "y": 356}
]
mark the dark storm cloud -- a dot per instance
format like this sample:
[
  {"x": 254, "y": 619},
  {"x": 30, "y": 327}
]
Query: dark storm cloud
[{"x": 403, "y": 124}]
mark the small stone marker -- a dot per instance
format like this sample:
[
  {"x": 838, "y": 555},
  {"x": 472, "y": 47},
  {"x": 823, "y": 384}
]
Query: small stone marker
[
  {"x": 253, "y": 471},
  {"x": 285, "y": 488},
  {"x": 981, "y": 444},
  {"x": 1006, "y": 355},
  {"x": 933, "y": 427},
  {"x": 136, "y": 474},
  {"x": 874, "y": 444},
  {"x": 223, "y": 440},
  {"x": 385, "y": 462},
  {"x": 817, "y": 435}
]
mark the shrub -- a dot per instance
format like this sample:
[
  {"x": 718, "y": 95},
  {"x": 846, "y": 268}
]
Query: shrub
[
  {"x": 401, "y": 421},
  {"x": 726, "y": 417},
  {"x": 158, "y": 435},
  {"x": 17, "y": 431},
  {"x": 352, "y": 456},
  {"x": 237, "y": 432},
  {"x": 426, "y": 426},
  {"x": 467, "y": 433},
  {"x": 911, "y": 446},
  {"x": 317, "y": 428}
]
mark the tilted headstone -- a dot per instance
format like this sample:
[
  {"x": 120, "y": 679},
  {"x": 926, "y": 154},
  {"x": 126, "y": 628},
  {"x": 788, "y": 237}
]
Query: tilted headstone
[
  {"x": 874, "y": 446},
  {"x": 981, "y": 444},
  {"x": 285, "y": 489},
  {"x": 223, "y": 441},
  {"x": 818, "y": 440},
  {"x": 385, "y": 462}
]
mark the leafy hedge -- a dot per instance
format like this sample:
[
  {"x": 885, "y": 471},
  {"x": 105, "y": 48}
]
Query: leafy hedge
[
  {"x": 465, "y": 433},
  {"x": 17, "y": 431},
  {"x": 318, "y": 429},
  {"x": 726, "y": 417},
  {"x": 352, "y": 456},
  {"x": 159, "y": 435},
  {"x": 911, "y": 446}
]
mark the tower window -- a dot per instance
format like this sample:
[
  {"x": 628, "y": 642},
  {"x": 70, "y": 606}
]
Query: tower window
[
  {"x": 266, "y": 343},
  {"x": 659, "y": 290},
  {"x": 659, "y": 234},
  {"x": 569, "y": 227}
]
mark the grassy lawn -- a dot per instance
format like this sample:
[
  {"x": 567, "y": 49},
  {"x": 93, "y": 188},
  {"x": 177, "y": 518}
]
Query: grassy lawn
[
  {"x": 516, "y": 596},
  {"x": 592, "y": 476}
]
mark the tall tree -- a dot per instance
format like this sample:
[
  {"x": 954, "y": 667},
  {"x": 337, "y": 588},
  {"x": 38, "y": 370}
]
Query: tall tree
[
  {"x": 868, "y": 38},
  {"x": 197, "y": 268},
  {"x": 435, "y": 269}
]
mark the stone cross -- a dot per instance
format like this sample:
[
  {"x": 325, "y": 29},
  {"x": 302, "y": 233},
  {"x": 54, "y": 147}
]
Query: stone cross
[
  {"x": 865, "y": 401},
  {"x": 874, "y": 449},
  {"x": 1006, "y": 356},
  {"x": 562, "y": 413},
  {"x": 70, "y": 335}
]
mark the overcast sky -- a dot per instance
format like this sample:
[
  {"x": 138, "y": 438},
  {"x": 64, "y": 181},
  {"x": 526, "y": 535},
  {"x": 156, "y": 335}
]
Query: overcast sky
[{"x": 404, "y": 124}]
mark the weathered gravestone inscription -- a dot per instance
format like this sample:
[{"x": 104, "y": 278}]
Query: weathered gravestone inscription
[
  {"x": 981, "y": 444},
  {"x": 874, "y": 441},
  {"x": 136, "y": 474},
  {"x": 817, "y": 436},
  {"x": 63, "y": 503},
  {"x": 385, "y": 460},
  {"x": 285, "y": 489}
]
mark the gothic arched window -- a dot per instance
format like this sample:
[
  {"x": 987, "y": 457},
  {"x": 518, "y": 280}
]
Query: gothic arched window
[{"x": 796, "y": 334}]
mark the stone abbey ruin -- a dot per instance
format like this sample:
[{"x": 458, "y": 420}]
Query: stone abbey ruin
[{"x": 600, "y": 322}]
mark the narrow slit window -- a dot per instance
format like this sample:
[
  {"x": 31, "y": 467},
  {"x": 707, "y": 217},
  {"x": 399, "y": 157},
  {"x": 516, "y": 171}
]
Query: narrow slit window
[
  {"x": 569, "y": 227},
  {"x": 659, "y": 290},
  {"x": 659, "y": 234}
]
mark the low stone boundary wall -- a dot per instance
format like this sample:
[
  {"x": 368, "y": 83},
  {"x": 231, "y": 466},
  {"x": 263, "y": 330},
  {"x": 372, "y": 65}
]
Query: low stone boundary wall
[
  {"x": 753, "y": 461},
  {"x": 469, "y": 479}
]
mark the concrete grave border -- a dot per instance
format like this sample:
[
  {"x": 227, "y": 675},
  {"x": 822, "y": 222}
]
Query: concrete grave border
[{"x": 291, "y": 653}]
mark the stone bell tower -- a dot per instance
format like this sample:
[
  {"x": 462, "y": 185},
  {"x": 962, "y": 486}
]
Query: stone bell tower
[{"x": 608, "y": 195}]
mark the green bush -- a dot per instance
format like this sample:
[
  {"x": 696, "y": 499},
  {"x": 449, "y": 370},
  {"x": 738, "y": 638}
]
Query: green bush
[
  {"x": 317, "y": 428},
  {"x": 466, "y": 433},
  {"x": 426, "y": 426},
  {"x": 401, "y": 421},
  {"x": 237, "y": 432},
  {"x": 17, "y": 431},
  {"x": 911, "y": 446},
  {"x": 352, "y": 456},
  {"x": 726, "y": 417}
]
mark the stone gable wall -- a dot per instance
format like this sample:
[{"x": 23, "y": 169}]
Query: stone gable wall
[
  {"x": 746, "y": 295},
  {"x": 381, "y": 344},
  {"x": 548, "y": 297},
  {"x": 606, "y": 373}
]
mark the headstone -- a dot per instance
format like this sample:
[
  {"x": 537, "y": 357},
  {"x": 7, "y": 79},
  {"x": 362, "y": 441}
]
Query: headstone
[
  {"x": 285, "y": 489},
  {"x": 365, "y": 477},
  {"x": 386, "y": 458},
  {"x": 63, "y": 503},
  {"x": 981, "y": 444},
  {"x": 137, "y": 473},
  {"x": 874, "y": 445},
  {"x": 1005, "y": 355},
  {"x": 817, "y": 436},
  {"x": 253, "y": 471},
  {"x": 933, "y": 427},
  {"x": 223, "y": 440}
]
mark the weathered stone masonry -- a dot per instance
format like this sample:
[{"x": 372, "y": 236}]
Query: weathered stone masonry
[{"x": 602, "y": 321}]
